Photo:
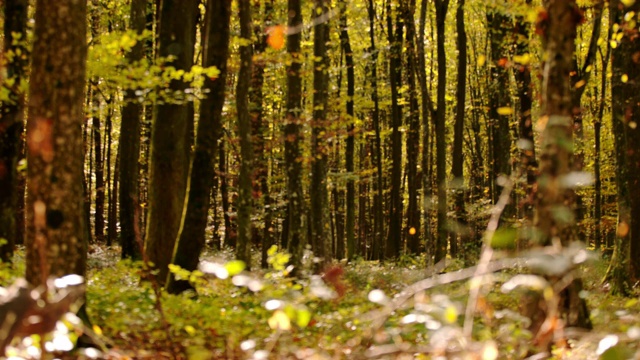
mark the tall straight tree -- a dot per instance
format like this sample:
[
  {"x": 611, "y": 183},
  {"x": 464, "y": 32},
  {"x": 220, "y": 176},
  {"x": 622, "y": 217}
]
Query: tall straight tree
[
  {"x": 319, "y": 214},
  {"x": 393, "y": 245},
  {"x": 170, "y": 138},
  {"x": 440, "y": 123},
  {"x": 295, "y": 237},
  {"x": 458, "y": 133},
  {"x": 56, "y": 228},
  {"x": 413, "y": 137},
  {"x": 215, "y": 52},
  {"x": 12, "y": 122},
  {"x": 554, "y": 217},
  {"x": 245, "y": 196},
  {"x": 345, "y": 42},
  {"x": 130, "y": 144},
  {"x": 499, "y": 100},
  {"x": 377, "y": 246}
]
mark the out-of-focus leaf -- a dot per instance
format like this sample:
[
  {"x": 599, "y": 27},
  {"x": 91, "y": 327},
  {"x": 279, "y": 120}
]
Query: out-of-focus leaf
[
  {"x": 234, "y": 267},
  {"x": 504, "y": 238}
]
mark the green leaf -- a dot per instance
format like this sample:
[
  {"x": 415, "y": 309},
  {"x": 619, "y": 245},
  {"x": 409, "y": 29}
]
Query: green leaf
[
  {"x": 235, "y": 267},
  {"x": 504, "y": 238},
  {"x": 303, "y": 317}
]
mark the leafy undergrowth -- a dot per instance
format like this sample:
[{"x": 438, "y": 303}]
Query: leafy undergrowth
[{"x": 360, "y": 310}]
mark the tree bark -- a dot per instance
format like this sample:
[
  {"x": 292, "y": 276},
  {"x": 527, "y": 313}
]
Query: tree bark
[
  {"x": 393, "y": 245},
  {"x": 56, "y": 229},
  {"x": 295, "y": 236},
  {"x": 191, "y": 238},
  {"x": 245, "y": 198},
  {"x": 129, "y": 145},
  {"x": 170, "y": 142},
  {"x": 319, "y": 214}
]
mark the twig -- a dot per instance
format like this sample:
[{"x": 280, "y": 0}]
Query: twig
[{"x": 487, "y": 254}]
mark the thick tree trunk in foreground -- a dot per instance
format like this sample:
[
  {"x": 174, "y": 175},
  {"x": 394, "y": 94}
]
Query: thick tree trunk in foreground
[
  {"x": 554, "y": 216},
  {"x": 170, "y": 141},
  {"x": 130, "y": 145},
  {"x": 56, "y": 229},
  {"x": 12, "y": 125}
]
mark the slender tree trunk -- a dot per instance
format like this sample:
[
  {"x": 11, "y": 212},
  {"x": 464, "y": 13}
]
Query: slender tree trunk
[
  {"x": 393, "y": 246},
  {"x": 245, "y": 198},
  {"x": 98, "y": 221},
  {"x": 112, "y": 229},
  {"x": 129, "y": 145},
  {"x": 350, "y": 144},
  {"x": 109, "y": 184},
  {"x": 412, "y": 231},
  {"x": 319, "y": 214},
  {"x": 56, "y": 229},
  {"x": 377, "y": 245},
  {"x": 499, "y": 101},
  {"x": 440, "y": 126},
  {"x": 522, "y": 73},
  {"x": 458, "y": 136},
  {"x": 12, "y": 125},
  {"x": 295, "y": 238},
  {"x": 170, "y": 142}
]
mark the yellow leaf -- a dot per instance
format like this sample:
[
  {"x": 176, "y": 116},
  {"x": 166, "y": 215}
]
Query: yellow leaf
[
  {"x": 580, "y": 84},
  {"x": 481, "y": 60},
  {"x": 451, "y": 314},
  {"x": 412, "y": 231},
  {"x": 276, "y": 37},
  {"x": 628, "y": 3},
  {"x": 505, "y": 110},
  {"x": 190, "y": 330},
  {"x": 624, "y": 78},
  {"x": 97, "y": 330},
  {"x": 523, "y": 59},
  {"x": 279, "y": 320}
]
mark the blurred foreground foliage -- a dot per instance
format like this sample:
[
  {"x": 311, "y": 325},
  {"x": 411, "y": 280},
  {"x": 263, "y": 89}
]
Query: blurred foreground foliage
[{"x": 358, "y": 310}]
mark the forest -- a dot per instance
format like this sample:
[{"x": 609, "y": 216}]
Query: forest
[{"x": 319, "y": 179}]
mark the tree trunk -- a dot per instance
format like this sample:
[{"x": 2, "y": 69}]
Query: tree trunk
[
  {"x": 350, "y": 145},
  {"x": 245, "y": 198},
  {"x": 554, "y": 216},
  {"x": 12, "y": 125},
  {"x": 377, "y": 245},
  {"x": 393, "y": 246},
  {"x": 440, "y": 126},
  {"x": 170, "y": 142},
  {"x": 129, "y": 145},
  {"x": 412, "y": 231},
  {"x": 56, "y": 229},
  {"x": 191, "y": 238},
  {"x": 499, "y": 100},
  {"x": 458, "y": 136},
  {"x": 319, "y": 214}
]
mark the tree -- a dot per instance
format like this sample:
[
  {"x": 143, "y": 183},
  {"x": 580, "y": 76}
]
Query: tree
[
  {"x": 56, "y": 228},
  {"x": 393, "y": 245},
  {"x": 191, "y": 238},
  {"x": 319, "y": 214},
  {"x": 294, "y": 238},
  {"x": 245, "y": 196},
  {"x": 170, "y": 141},
  {"x": 12, "y": 123},
  {"x": 458, "y": 136},
  {"x": 441, "y": 151},
  {"x": 130, "y": 145},
  {"x": 554, "y": 216}
]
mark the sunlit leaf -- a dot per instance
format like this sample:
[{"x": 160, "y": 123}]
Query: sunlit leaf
[
  {"x": 190, "y": 330},
  {"x": 235, "y": 267},
  {"x": 623, "y": 229},
  {"x": 504, "y": 238},
  {"x": 628, "y": 3},
  {"x": 276, "y": 37},
  {"x": 505, "y": 110},
  {"x": 279, "y": 320},
  {"x": 481, "y": 60},
  {"x": 523, "y": 59},
  {"x": 624, "y": 78},
  {"x": 303, "y": 317}
]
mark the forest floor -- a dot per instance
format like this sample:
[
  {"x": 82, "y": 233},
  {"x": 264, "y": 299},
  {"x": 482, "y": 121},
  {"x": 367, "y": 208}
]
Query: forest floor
[{"x": 354, "y": 311}]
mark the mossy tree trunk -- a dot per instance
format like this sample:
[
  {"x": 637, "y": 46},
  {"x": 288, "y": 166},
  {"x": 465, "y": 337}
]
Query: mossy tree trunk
[{"x": 56, "y": 228}]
